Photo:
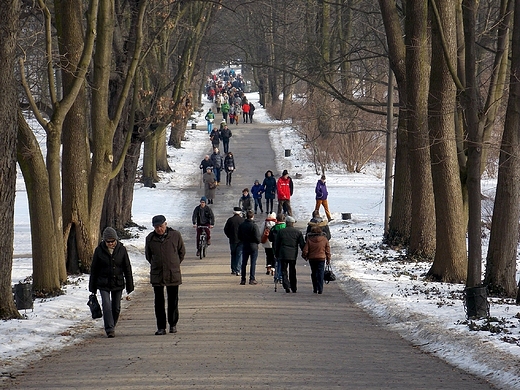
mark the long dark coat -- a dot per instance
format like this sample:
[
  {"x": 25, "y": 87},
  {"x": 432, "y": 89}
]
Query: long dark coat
[{"x": 165, "y": 254}]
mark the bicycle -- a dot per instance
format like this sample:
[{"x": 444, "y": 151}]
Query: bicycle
[{"x": 203, "y": 241}]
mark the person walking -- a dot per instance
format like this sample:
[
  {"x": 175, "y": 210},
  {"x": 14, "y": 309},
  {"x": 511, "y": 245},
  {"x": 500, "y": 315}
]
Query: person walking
[
  {"x": 257, "y": 190},
  {"x": 273, "y": 233},
  {"x": 235, "y": 245},
  {"x": 210, "y": 185},
  {"x": 316, "y": 220},
  {"x": 225, "y": 135},
  {"x": 251, "y": 112},
  {"x": 269, "y": 222},
  {"x": 165, "y": 251},
  {"x": 245, "y": 111},
  {"x": 110, "y": 272},
  {"x": 210, "y": 118},
  {"x": 317, "y": 252},
  {"x": 269, "y": 185},
  {"x": 245, "y": 202},
  {"x": 249, "y": 235},
  {"x": 229, "y": 167},
  {"x": 203, "y": 216},
  {"x": 321, "y": 196},
  {"x": 284, "y": 189},
  {"x": 204, "y": 164},
  {"x": 286, "y": 251},
  {"x": 215, "y": 137},
  {"x": 225, "y": 110},
  {"x": 217, "y": 163}
]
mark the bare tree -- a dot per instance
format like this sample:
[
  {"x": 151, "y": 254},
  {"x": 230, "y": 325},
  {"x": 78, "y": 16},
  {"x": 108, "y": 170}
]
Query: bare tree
[{"x": 9, "y": 14}]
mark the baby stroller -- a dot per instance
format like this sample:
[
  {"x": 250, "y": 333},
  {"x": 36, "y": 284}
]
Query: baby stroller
[{"x": 277, "y": 274}]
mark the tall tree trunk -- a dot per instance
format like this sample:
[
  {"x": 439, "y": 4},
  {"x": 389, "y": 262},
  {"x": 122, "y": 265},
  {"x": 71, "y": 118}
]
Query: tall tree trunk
[
  {"x": 450, "y": 263},
  {"x": 44, "y": 236},
  {"x": 503, "y": 242},
  {"x": 9, "y": 15},
  {"x": 399, "y": 227},
  {"x": 422, "y": 238},
  {"x": 76, "y": 153}
]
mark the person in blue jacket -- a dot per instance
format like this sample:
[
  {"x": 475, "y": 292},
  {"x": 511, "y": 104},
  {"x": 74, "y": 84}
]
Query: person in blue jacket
[{"x": 257, "y": 190}]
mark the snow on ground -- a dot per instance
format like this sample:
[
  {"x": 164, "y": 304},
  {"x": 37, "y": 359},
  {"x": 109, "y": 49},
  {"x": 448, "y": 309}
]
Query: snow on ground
[{"x": 431, "y": 315}]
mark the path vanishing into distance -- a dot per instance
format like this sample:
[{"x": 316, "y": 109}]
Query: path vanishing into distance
[{"x": 232, "y": 336}]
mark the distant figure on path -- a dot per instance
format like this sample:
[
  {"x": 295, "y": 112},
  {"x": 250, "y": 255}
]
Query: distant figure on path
[
  {"x": 321, "y": 196},
  {"x": 249, "y": 235},
  {"x": 284, "y": 189},
  {"x": 269, "y": 185},
  {"x": 317, "y": 252},
  {"x": 286, "y": 250},
  {"x": 235, "y": 245}
]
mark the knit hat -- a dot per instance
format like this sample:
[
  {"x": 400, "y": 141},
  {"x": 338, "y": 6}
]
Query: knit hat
[
  {"x": 285, "y": 172},
  {"x": 109, "y": 234},
  {"x": 158, "y": 220},
  {"x": 204, "y": 199},
  {"x": 272, "y": 215},
  {"x": 290, "y": 219}
]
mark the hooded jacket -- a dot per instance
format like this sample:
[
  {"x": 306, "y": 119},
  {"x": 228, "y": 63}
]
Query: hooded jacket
[
  {"x": 321, "y": 223},
  {"x": 269, "y": 185},
  {"x": 111, "y": 271},
  {"x": 316, "y": 248}
]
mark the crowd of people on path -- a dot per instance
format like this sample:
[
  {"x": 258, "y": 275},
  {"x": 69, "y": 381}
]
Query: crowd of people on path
[{"x": 111, "y": 271}]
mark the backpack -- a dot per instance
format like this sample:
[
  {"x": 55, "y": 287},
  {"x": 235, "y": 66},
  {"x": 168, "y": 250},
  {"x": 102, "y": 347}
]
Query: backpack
[{"x": 265, "y": 235}]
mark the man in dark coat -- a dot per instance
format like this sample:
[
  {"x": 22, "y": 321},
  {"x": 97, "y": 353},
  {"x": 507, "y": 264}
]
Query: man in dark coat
[
  {"x": 164, "y": 250},
  {"x": 249, "y": 235},
  {"x": 217, "y": 162},
  {"x": 286, "y": 251},
  {"x": 225, "y": 135},
  {"x": 109, "y": 273},
  {"x": 235, "y": 245}
]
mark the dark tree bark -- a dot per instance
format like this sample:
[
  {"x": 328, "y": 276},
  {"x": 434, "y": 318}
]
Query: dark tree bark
[
  {"x": 503, "y": 242},
  {"x": 422, "y": 237},
  {"x": 9, "y": 14}
]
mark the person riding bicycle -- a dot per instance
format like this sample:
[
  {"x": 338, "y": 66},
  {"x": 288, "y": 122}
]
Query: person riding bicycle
[{"x": 203, "y": 216}]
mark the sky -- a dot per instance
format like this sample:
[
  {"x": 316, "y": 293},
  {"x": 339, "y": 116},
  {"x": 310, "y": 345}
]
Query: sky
[{"x": 430, "y": 315}]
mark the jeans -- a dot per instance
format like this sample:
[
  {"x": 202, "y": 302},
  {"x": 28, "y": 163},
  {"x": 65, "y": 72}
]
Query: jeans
[
  {"x": 225, "y": 142},
  {"x": 111, "y": 304},
  {"x": 216, "y": 171},
  {"x": 246, "y": 253},
  {"x": 236, "y": 257},
  {"x": 289, "y": 279},
  {"x": 173, "y": 305},
  {"x": 258, "y": 204},
  {"x": 210, "y": 127},
  {"x": 317, "y": 271},
  {"x": 269, "y": 205}
]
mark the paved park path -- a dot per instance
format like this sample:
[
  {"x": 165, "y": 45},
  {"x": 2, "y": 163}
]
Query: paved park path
[{"x": 232, "y": 336}]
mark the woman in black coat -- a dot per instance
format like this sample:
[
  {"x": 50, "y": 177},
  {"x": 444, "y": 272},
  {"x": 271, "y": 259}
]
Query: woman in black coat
[
  {"x": 110, "y": 273},
  {"x": 269, "y": 185}
]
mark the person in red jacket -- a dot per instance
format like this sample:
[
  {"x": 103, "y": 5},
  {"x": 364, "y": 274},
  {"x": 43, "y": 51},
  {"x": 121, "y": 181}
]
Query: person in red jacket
[
  {"x": 245, "y": 111},
  {"x": 284, "y": 189}
]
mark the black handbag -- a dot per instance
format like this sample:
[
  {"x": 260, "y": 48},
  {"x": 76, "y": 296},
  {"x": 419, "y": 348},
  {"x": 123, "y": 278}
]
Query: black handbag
[
  {"x": 328, "y": 275},
  {"x": 93, "y": 304}
]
